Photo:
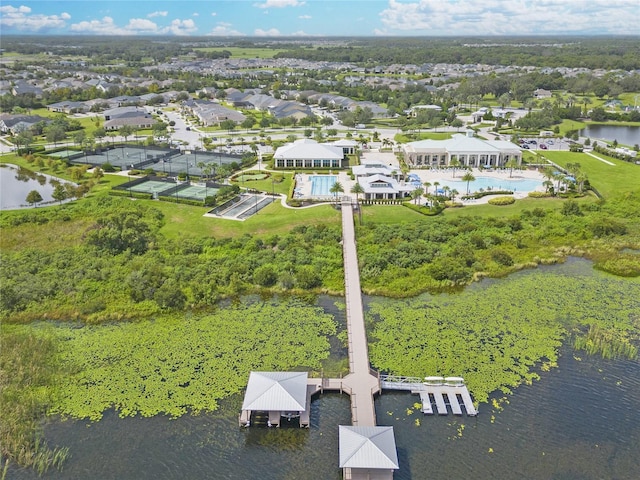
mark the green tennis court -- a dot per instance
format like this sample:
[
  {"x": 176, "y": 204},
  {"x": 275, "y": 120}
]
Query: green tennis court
[
  {"x": 196, "y": 192},
  {"x": 63, "y": 153},
  {"x": 151, "y": 186}
]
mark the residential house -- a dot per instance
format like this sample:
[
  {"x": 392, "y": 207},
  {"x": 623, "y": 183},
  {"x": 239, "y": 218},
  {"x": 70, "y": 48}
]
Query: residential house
[
  {"x": 15, "y": 124},
  {"x": 541, "y": 93}
]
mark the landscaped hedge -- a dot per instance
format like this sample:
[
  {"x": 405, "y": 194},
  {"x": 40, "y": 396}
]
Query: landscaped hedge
[
  {"x": 536, "y": 194},
  {"x": 184, "y": 201},
  {"x": 477, "y": 195},
  {"x": 502, "y": 201},
  {"x": 125, "y": 193}
]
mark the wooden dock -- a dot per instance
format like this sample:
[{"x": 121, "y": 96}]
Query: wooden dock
[{"x": 360, "y": 382}]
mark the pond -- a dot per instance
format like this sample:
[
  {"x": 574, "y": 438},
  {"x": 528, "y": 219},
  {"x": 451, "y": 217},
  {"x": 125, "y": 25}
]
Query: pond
[
  {"x": 624, "y": 135},
  {"x": 578, "y": 421},
  {"x": 16, "y": 183}
]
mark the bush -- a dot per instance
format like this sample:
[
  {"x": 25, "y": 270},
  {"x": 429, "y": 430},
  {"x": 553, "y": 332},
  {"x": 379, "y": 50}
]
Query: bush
[
  {"x": 502, "y": 257},
  {"x": 502, "y": 201},
  {"x": 536, "y": 194}
]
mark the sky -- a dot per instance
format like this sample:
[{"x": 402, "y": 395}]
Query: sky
[{"x": 296, "y": 18}]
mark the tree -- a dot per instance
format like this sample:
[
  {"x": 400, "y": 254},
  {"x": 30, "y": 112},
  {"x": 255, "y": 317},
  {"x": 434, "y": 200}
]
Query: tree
[
  {"x": 228, "y": 125},
  {"x": 357, "y": 190},
  {"x": 455, "y": 164},
  {"x": 34, "y": 197},
  {"x": 416, "y": 194},
  {"x": 248, "y": 122},
  {"x": 511, "y": 164},
  {"x": 25, "y": 138},
  {"x": 335, "y": 189},
  {"x": 125, "y": 131},
  {"x": 457, "y": 123},
  {"x": 59, "y": 193},
  {"x": 426, "y": 188},
  {"x": 468, "y": 177},
  {"x": 54, "y": 134}
]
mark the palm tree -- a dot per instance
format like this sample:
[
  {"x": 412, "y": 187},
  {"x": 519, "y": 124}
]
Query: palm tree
[
  {"x": 435, "y": 187},
  {"x": 416, "y": 194},
  {"x": 454, "y": 194},
  {"x": 511, "y": 164},
  {"x": 335, "y": 189},
  {"x": 426, "y": 188},
  {"x": 455, "y": 163},
  {"x": 357, "y": 189},
  {"x": 468, "y": 177},
  {"x": 585, "y": 101}
]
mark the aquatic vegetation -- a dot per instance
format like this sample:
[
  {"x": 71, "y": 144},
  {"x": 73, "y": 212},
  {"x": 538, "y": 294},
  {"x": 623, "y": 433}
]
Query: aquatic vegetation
[
  {"x": 499, "y": 335},
  {"x": 177, "y": 365},
  {"x": 27, "y": 371}
]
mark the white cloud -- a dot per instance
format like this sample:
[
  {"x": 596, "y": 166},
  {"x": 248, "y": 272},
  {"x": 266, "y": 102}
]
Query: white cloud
[
  {"x": 136, "y": 26},
  {"x": 213, "y": 14},
  {"x": 279, "y": 4},
  {"x": 158, "y": 13},
  {"x": 223, "y": 29},
  {"x": 272, "y": 32},
  {"x": 195, "y": 14},
  {"x": 105, "y": 26},
  {"x": 141, "y": 25},
  {"x": 304, "y": 17},
  {"x": 20, "y": 18},
  {"x": 507, "y": 17},
  {"x": 181, "y": 27}
]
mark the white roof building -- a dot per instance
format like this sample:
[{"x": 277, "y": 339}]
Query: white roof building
[
  {"x": 381, "y": 187},
  {"x": 468, "y": 151},
  {"x": 367, "y": 452},
  {"x": 307, "y": 153},
  {"x": 276, "y": 391}
]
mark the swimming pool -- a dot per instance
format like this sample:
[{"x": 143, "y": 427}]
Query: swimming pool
[
  {"x": 490, "y": 183},
  {"x": 321, "y": 184}
]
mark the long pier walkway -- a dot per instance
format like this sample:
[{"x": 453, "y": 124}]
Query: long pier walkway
[{"x": 361, "y": 383}]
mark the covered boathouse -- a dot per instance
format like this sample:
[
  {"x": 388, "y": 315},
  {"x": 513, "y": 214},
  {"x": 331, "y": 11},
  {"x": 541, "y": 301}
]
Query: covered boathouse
[
  {"x": 277, "y": 395},
  {"x": 367, "y": 452}
]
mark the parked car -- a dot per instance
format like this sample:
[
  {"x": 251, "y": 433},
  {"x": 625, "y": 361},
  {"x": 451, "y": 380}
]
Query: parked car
[
  {"x": 543, "y": 146},
  {"x": 525, "y": 146}
]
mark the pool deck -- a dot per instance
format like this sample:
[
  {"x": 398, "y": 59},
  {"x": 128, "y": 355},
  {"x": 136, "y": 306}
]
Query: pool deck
[{"x": 303, "y": 184}]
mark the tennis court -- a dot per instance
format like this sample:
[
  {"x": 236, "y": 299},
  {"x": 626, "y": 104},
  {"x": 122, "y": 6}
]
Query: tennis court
[
  {"x": 151, "y": 186},
  {"x": 196, "y": 192},
  {"x": 63, "y": 153}
]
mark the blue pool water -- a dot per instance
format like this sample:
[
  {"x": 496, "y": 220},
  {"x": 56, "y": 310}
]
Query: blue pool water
[
  {"x": 321, "y": 184},
  {"x": 489, "y": 183}
]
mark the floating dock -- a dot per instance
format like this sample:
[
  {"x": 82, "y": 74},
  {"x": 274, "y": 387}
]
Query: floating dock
[{"x": 442, "y": 392}]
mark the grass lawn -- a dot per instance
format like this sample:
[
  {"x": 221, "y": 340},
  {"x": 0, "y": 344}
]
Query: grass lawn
[
  {"x": 607, "y": 179},
  {"x": 403, "y": 138},
  {"x": 267, "y": 186},
  {"x": 184, "y": 220}
]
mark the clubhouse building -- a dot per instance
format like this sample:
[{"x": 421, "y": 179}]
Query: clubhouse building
[
  {"x": 307, "y": 153},
  {"x": 467, "y": 150}
]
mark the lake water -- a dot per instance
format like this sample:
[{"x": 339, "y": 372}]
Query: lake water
[
  {"x": 579, "y": 421},
  {"x": 625, "y": 135},
  {"x": 15, "y": 185}
]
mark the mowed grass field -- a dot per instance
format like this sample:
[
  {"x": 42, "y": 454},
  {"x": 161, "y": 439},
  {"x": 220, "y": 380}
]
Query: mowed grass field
[{"x": 608, "y": 179}]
